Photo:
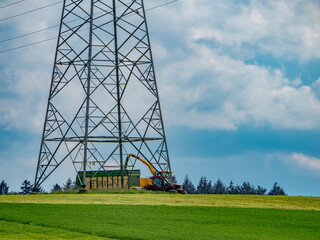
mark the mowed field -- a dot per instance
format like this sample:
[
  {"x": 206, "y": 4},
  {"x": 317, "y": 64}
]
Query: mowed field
[{"x": 158, "y": 216}]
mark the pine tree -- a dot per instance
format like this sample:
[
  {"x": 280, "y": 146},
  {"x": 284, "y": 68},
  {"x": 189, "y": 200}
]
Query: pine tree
[
  {"x": 232, "y": 189},
  {"x": 261, "y": 190},
  {"x": 202, "y": 186},
  {"x": 75, "y": 185},
  {"x": 188, "y": 186},
  {"x": 26, "y": 187},
  {"x": 246, "y": 188},
  {"x": 276, "y": 190},
  {"x": 4, "y": 188},
  {"x": 210, "y": 189},
  {"x": 238, "y": 189},
  {"x": 68, "y": 185},
  {"x": 56, "y": 188},
  {"x": 219, "y": 187}
]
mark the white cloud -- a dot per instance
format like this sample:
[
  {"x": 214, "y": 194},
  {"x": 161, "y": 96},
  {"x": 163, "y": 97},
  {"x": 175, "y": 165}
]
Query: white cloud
[
  {"x": 316, "y": 87},
  {"x": 303, "y": 161},
  {"x": 282, "y": 28},
  {"x": 200, "y": 86},
  {"x": 205, "y": 81},
  {"x": 208, "y": 90},
  {"x": 25, "y": 73}
]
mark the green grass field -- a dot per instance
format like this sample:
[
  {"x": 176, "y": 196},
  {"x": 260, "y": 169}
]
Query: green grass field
[
  {"x": 158, "y": 216},
  {"x": 242, "y": 201}
]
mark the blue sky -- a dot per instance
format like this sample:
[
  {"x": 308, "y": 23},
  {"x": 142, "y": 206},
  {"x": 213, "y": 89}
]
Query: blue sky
[{"x": 239, "y": 83}]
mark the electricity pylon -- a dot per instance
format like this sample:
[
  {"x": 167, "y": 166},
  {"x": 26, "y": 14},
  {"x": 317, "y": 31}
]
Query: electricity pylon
[{"x": 103, "y": 102}]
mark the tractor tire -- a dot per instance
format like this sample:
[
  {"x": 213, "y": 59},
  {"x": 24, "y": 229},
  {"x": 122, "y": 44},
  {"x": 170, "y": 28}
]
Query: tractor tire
[
  {"x": 150, "y": 188},
  {"x": 182, "y": 191},
  {"x": 173, "y": 191},
  {"x": 167, "y": 187}
]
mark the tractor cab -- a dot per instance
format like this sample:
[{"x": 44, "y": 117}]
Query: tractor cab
[{"x": 158, "y": 181}]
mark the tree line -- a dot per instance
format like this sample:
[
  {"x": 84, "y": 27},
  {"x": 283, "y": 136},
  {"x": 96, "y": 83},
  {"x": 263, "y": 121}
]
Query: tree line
[
  {"x": 27, "y": 188},
  {"x": 206, "y": 187}
]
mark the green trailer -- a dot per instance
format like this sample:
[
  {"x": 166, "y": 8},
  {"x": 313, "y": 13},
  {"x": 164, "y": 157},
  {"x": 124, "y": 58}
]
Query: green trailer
[{"x": 110, "y": 179}]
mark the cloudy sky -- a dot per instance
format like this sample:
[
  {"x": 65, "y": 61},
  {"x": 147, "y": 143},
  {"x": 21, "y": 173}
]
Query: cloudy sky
[{"x": 239, "y": 83}]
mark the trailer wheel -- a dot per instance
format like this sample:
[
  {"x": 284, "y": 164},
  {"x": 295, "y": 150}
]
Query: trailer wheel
[{"x": 182, "y": 191}]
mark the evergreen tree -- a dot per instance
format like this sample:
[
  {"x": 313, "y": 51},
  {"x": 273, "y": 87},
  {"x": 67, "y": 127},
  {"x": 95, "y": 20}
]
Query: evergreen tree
[
  {"x": 233, "y": 189},
  {"x": 202, "y": 188},
  {"x": 75, "y": 186},
  {"x": 206, "y": 187},
  {"x": 188, "y": 186},
  {"x": 219, "y": 187},
  {"x": 246, "y": 188},
  {"x": 276, "y": 190},
  {"x": 56, "y": 188},
  {"x": 210, "y": 189},
  {"x": 68, "y": 185},
  {"x": 261, "y": 190},
  {"x": 4, "y": 188},
  {"x": 238, "y": 189},
  {"x": 26, "y": 187}
]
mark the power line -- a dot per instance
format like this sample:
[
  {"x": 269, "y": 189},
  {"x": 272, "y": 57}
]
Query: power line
[
  {"x": 34, "y": 10},
  {"x": 10, "y": 4},
  {"x": 161, "y": 5},
  {"x": 40, "y": 30},
  {"x": 27, "y": 34},
  {"x": 44, "y": 29},
  {"x": 49, "y": 39},
  {"x": 27, "y": 45},
  {"x": 37, "y": 31}
]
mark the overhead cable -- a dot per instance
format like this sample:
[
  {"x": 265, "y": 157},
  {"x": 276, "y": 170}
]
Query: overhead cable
[
  {"x": 27, "y": 45},
  {"x": 10, "y": 4},
  {"x": 37, "y": 31},
  {"x": 161, "y": 5},
  {"x": 49, "y": 39},
  {"x": 33, "y": 10},
  {"x": 27, "y": 34},
  {"x": 55, "y": 26}
]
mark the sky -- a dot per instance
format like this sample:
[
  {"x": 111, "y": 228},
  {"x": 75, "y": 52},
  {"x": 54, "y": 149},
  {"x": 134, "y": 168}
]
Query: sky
[{"x": 239, "y": 85}]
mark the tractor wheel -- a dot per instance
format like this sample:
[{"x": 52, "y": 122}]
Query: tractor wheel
[
  {"x": 167, "y": 187},
  {"x": 182, "y": 191},
  {"x": 150, "y": 188},
  {"x": 173, "y": 191}
]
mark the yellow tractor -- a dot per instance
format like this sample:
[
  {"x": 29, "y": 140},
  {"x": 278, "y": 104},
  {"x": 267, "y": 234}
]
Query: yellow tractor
[{"x": 160, "y": 180}]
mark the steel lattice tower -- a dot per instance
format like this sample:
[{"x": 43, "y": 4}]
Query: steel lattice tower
[{"x": 103, "y": 102}]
